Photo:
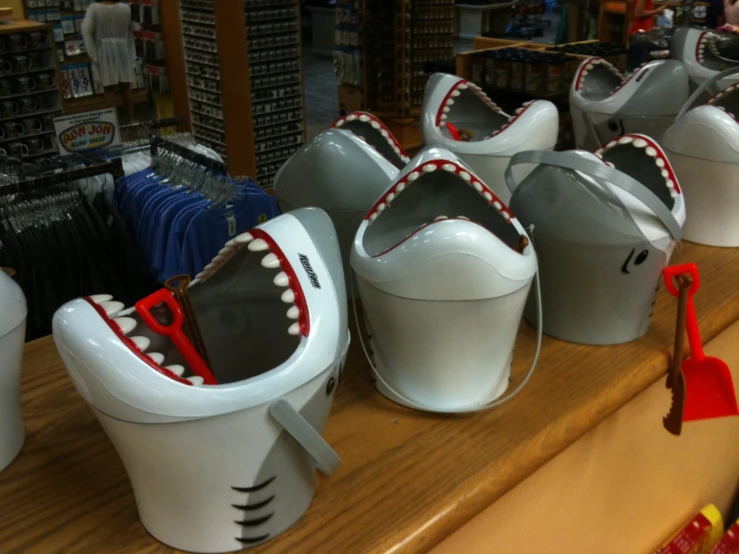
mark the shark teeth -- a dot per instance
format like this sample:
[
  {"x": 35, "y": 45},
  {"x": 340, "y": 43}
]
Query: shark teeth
[
  {"x": 591, "y": 64},
  {"x": 377, "y": 125},
  {"x": 445, "y": 109}
]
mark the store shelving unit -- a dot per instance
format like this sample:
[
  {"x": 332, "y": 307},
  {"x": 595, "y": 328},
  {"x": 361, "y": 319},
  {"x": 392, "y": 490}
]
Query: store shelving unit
[
  {"x": 247, "y": 103},
  {"x": 383, "y": 46},
  {"x": 40, "y": 104}
]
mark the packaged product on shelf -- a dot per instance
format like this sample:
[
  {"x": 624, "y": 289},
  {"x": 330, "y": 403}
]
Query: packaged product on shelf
[
  {"x": 698, "y": 535},
  {"x": 729, "y": 543},
  {"x": 78, "y": 5},
  {"x": 58, "y": 33},
  {"x": 64, "y": 83},
  {"x": 78, "y": 24},
  {"x": 68, "y": 25}
]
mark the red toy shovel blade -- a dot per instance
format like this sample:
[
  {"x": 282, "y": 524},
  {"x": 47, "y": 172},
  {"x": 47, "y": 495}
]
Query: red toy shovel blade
[{"x": 709, "y": 390}]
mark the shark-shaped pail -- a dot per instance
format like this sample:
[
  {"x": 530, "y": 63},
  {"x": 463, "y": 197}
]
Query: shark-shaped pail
[
  {"x": 602, "y": 235},
  {"x": 605, "y": 105},
  {"x": 704, "y": 53},
  {"x": 444, "y": 269},
  {"x": 13, "y": 310},
  {"x": 341, "y": 173},
  {"x": 459, "y": 116},
  {"x": 223, "y": 466},
  {"x": 703, "y": 147}
]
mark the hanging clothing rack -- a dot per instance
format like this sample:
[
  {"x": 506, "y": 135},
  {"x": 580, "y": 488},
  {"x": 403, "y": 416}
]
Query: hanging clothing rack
[
  {"x": 113, "y": 167},
  {"x": 159, "y": 143}
]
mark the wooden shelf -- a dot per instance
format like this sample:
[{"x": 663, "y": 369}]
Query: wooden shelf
[{"x": 102, "y": 101}]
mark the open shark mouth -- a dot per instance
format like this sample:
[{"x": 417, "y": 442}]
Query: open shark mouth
[
  {"x": 715, "y": 50},
  {"x": 727, "y": 100},
  {"x": 436, "y": 191},
  {"x": 374, "y": 132},
  {"x": 644, "y": 160},
  {"x": 597, "y": 79},
  {"x": 469, "y": 114}
]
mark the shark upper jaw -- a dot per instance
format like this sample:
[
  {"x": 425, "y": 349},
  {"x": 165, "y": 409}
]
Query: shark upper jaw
[
  {"x": 126, "y": 370},
  {"x": 727, "y": 100},
  {"x": 374, "y": 132},
  {"x": 603, "y": 70}
]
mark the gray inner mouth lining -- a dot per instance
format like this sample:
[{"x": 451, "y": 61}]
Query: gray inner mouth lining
[
  {"x": 471, "y": 113},
  {"x": 375, "y": 139},
  {"x": 729, "y": 101},
  {"x": 432, "y": 195},
  {"x": 599, "y": 83}
]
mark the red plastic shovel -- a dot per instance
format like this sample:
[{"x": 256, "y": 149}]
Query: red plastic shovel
[{"x": 709, "y": 388}]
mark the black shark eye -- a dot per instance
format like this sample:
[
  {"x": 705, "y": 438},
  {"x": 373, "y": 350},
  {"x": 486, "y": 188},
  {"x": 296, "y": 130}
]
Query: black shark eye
[
  {"x": 641, "y": 257},
  {"x": 330, "y": 386},
  {"x": 612, "y": 125}
]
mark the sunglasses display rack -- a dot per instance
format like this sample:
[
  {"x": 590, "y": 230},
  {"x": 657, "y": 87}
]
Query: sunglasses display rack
[
  {"x": 383, "y": 46},
  {"x": 29, "y": 91},
  {"x": 246, "y": 103}
]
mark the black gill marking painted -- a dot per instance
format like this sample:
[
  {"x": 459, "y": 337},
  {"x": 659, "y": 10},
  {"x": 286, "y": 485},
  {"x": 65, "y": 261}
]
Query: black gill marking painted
[
  {"x": 255, "y": 488},
  {"x": 642, "y": 257},
  {"x": 249, "y": 507},
  {"x": 624, "y": 268},
  {"x": 305, "y": 262},
  {"x": 252, "y": 540},
  {"x": 255, "y": 522}
]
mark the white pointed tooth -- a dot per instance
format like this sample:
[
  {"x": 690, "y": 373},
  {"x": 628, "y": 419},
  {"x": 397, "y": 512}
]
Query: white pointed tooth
[
  {"x": 243, "y": 238},
  {"x": 157, "y": 357},
  {"x": 462, "y": 86},
  {"x": 625, "y": 140},
  {"x": 506, "y": 215},
  {"x": 258, "y": 245},
  {"x": 463, "y": 217},
  {"x": 390, "y": 197},
  {"x": 364, "y": 118},
  {"x": 125, "y": 324},
  {"x": 651, "y": 152},
  {"x": 210, "y": 268},
  {"x": 528, "y": 103},
  {"x": 339, "y": 123},
  {"x": 400, "y": 188},
  {"x": 351, "y": 117},
  {"x": 670, "y": 184},
  {"x": 373, "y": 216},
  {"x": 294, "y": 329},
  {"x": 497, "y": 205},
  {"x": 445, "y": 109},
  {"x": 487, "y": 196},
  {"x": 225, "y": 251},
  {"x": 142, "y": 343},
  {"x": 584, "y": 73},
  {"x": 518, "y": 110},
  {"x": 599, "y": 155},
  {"x": 396, "y": 149},
  {"x": 673, "y": 193},
  {"x": 443, "y": 116},
  {"x": 665, "y": 174},
  {"x": 450, "y": 102},
  {"x": 375, "y": 125},
  {"x": 271, "y": 261},
  {"x": 428, "y": 168},
  {"x": 440, "y": 217},
  {"x": 477, "y": 185},
  {"x": 219, "y": 259},
  {"x": 405, "y": 159},
  {"x": 384, "y": 133},
  {"x": 381, "y": 206},
  {"x": 177, "y": 369},
  {"x": 442, "y": 124},
  {"x": 640, "y": 143},
  {"x": 232, "y": 243},
  {"x": 449, "y": 167},
  {"x": 596, "y": 62},
  {"x": 456, "y": 93},
  {"x": 611, "y": 144},
  {"x": 196, "y": 380},
  {"x": 288, "y": 297},
  {"x": 100, "y": 298},
  {"x": 281, "y": 279},
  {"x": 112, "y": 307},
  {"x": 609, "y": 164},
  {"x": 660, "y": 162},
  {"x": 293, "y": 312},
  {"x": 413, "y": 175},
  {"x": 466, "y": 176},
  {"x": 589, "y": 66}
]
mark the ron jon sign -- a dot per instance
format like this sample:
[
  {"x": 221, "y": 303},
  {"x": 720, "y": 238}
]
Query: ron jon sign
[{"x": 87, "y": 131}]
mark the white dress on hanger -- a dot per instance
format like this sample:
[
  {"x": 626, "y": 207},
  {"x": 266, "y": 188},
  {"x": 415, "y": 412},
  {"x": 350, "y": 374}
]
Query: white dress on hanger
[{"x": 108, "y": 35}]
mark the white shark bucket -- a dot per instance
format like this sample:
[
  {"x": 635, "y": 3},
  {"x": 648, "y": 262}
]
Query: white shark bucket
[
  {"x": 443, "y": 269},
  {"x": 13, "y": 310},
  {"x": 374, "y": 132},
  {"x": 341, "y": 173},
  {"x": 604, "y": 105},
  {"x": 602, "y": 235},
  {"x": 459, "y": 116},
  {"x": 224, "y": 466},
  {"x": 705, "y": 53},
  {"x": 703, "y": 147}
]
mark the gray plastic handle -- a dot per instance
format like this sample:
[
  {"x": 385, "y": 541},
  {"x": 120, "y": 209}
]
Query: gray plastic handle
[
  {"x": 568, "y": 160},
  {"x": 326, "y": 458},
  {"x": 704, "y": 87}
]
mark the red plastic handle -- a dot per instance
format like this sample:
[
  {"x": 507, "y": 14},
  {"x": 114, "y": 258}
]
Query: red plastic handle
[
  {"x": 174, "y": 331},
  {"x": 453, "y": 130},
  {"x": 673, "y": 271}
]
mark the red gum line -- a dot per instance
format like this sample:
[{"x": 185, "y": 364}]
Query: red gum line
[
  {"x": 422, "y": 227},
  {"x": 448, "y": 96},
  {"x": 724, "y": 92},
  {"x": 579, "y": 73},
  {"x": 511, "y": 120},
  {"x": 292, "y": 278},
  {"x": 660, "y": 154},
  {"x": 132, "y": 345},
  {"x": 372, "y": 118},
  {"x": 698, "y": 47},
  {"x": 439, "y": 164}
]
